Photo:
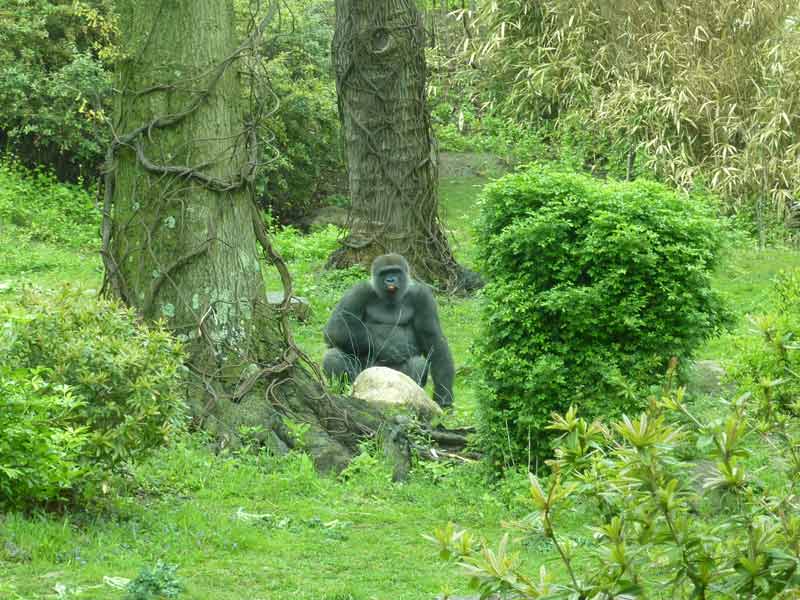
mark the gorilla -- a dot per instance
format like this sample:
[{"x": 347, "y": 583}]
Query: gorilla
[{"x": 390, "y": 321}]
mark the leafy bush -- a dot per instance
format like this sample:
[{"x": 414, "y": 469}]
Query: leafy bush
[
  {"x": 594, "y": 286},
  {"x": 39, "y": 448},
  {"x": 126, "y": 375},
  {"x": 45, "y": 210},
  {"x": 710, "y": 526}
]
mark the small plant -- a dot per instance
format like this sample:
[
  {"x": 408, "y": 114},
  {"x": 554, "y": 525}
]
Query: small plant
[
  {"x": 154, "y": 583},
  {"x": 767, "y": 363},
  {"x": 299, "y": 432}
]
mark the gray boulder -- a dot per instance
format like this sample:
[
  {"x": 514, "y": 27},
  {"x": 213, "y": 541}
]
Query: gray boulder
[{"x": 394, "y": 392}]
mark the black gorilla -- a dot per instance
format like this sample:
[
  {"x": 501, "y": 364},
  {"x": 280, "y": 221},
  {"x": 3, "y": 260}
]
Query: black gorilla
[{"x": 390, "y": 321}]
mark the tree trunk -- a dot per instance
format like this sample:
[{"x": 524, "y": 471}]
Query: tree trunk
[
  {"x": 378, "y": 53},
  {"x": 182, "y": 237}
]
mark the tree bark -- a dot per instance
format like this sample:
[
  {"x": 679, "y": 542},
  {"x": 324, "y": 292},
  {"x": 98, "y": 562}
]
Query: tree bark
[
  {"x": 182, "y": 237},
  {"x": 378, "y": 53}
]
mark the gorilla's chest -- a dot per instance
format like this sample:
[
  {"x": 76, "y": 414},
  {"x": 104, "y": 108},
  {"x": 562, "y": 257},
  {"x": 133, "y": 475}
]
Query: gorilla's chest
[
  {"x": 391, "y": 330},
  {"x": 392, "y": 315}
]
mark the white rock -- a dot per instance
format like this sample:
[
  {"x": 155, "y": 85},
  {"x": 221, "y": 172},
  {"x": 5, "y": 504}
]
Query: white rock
[{"x": 392, "y": 390}]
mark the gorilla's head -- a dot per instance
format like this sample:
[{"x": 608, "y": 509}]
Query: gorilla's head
[{"x": 390, "y": 276}]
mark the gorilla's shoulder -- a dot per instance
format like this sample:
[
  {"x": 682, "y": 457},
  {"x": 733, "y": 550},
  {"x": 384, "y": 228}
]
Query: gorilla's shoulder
[
  {"x": 363, "y": 290},
  {"x": 421, "y": 293}
]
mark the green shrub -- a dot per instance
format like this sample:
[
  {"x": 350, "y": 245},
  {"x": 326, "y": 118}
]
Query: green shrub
[
  {"x": 594, "y": 286},
  {"x": 45, "y": 210},
  {"x": 39, "y": 448},
  {"x": 127, "y": 375}
]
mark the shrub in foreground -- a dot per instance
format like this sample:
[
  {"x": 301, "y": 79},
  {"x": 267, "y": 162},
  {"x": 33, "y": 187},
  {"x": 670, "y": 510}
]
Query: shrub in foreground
[
  {"x": 39, "y": 448},
  {"x": 679, "y": 505},
  {"x": 125, "y": 375},
  {"x": 594, "y": 287}
]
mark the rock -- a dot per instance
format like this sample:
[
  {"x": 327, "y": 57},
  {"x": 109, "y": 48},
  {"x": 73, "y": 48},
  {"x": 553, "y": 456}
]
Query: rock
[
  {"x": 393, "y": 391},
  {"x": 298, "y": 306},
  {"x": 708, "y": 377}
]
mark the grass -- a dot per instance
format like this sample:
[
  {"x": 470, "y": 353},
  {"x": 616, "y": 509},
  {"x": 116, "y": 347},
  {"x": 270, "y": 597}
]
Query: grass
[
  {"x": 263, "y": 527},
  {"x": 250, "y": 527},
  {"x": 744, "y": 279}
]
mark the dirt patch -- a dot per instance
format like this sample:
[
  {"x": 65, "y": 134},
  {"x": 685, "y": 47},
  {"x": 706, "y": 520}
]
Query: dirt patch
[{"x": 453, "y": 165}]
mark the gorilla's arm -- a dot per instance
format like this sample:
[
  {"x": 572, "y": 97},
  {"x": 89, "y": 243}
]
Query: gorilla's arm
[
  {"x": 433, "y": 344},
  {"x": 346, "y": 329}
]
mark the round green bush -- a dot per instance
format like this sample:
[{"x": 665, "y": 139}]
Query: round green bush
[
  {"x": 594, "y": 286},
  {"x": 127, "y": 375}
]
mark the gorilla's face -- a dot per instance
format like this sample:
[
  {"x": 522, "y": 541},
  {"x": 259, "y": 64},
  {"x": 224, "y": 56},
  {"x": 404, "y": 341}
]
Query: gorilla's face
[
  {"x": 391, "y": 283},
  {"x": 390, "y": 277}
]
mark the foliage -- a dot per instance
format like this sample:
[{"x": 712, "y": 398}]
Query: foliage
[
  {"x": 54, "y": 82},
  {"x": 699, "y": 91},
  {"x": 55, "y": 93},
  {"x": 594, "y": 286},
  {"x": 126, "y": 375},
  {"x": 39, "y": 448},
  {"x": 766, "y": 362},
  {"x": 680, "y": 509},
  {"x": 305, "y": 248},
  {"x": 153, "y": 583},
  {"x": 44, "y": 210},
  {"x": 301, "y": 149}
]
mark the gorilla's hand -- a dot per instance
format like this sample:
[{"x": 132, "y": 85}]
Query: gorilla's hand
[
  {"x": 346, "y": 329},
  {"x": 443, "y": 396}
]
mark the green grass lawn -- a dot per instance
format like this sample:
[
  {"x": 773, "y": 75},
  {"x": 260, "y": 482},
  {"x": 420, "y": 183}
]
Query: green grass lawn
[
  {"x": 247, "y": 528},
  {"x": 263, "y": 528}
]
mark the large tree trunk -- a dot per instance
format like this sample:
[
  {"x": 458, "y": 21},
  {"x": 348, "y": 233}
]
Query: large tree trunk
[
  {"x": 378, "y": 53},
  {"x": 182, "y": 237}
]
